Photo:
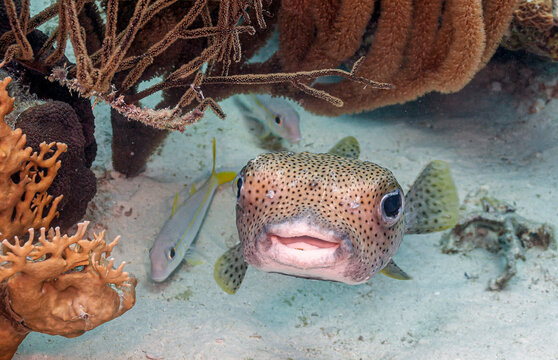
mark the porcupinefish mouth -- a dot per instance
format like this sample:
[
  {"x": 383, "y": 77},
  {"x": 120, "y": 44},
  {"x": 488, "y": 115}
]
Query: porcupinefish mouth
[{"x": 303, "y": 249}]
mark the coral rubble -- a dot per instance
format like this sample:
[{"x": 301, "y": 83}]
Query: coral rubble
[
  {"x": 63, "y": 285},
  {"x": 495, "y": 226},
  {"x": 534, "y": 28}
]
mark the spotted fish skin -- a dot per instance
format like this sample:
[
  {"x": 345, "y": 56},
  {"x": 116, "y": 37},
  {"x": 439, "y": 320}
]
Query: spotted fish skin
[
  {"x": 346, "y": 147},
  {"x": 330, "y": 216},
  {"x": 323, "y": 193}
]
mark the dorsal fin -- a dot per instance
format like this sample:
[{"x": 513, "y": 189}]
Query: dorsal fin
[
  {"x": 347, "y": 147},
  {"x": 174, "y": 203},
  {"x": 214, "y": 151},
  {"x": 259, "y": 103}
]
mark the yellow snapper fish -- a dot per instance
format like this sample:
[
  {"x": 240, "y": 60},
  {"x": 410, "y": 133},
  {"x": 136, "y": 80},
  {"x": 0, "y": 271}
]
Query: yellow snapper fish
[
  {"x": 330, "y": 216},
  {"x": 181, "y": 228},
  {"x": 276, "y": 115}
]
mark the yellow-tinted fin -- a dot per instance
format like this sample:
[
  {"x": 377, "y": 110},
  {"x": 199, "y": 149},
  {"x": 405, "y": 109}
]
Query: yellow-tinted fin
[
  {"x": 432, "y": 203},
  {"x": 347, "y": 147},
  {"x": 230, "y": 269},
  {"x": 174, "y": 202},
  {"x": 268, "y": 119},
  {"x": 214, "y": 151},
  {"x": 225, "y": 177},
  {"x": 265, "y": 134},
  {"x": 258, "y": 102},
  {"x": 394, "y": 271},
  {"x": 193, "y": 189},
  {"x": 193, "y": 257},
  {"x": 222, "y": 177}
]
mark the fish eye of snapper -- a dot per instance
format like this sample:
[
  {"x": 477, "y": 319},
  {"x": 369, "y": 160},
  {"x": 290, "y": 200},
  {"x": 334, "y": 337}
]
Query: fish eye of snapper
[
  {"x": 180, "y": 230},
  {"x": 330, "y": 216}
]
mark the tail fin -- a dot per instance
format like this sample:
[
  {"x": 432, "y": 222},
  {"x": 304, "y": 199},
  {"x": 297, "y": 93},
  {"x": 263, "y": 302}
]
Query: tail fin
[
  {"x": 223, "y": 176},
  {"x": 432, "y": 204}
]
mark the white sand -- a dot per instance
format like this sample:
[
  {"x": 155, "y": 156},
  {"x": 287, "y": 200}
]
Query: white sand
[{"x": 439, "y": 314}]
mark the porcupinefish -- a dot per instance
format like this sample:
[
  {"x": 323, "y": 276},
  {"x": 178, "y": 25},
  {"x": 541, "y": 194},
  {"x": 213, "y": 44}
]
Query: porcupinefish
[
  {"x": 276, "y": 115},
  {"x": 184, "y": 223},
  {"x": 330, "y": 216}
]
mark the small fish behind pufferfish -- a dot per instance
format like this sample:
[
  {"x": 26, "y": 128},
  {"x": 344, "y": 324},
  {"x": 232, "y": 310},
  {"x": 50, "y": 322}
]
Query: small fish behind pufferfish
[
  {"x": 277, "y": 116},
  {"x": 184, "y": 223},
  {"x": 330, "y": 216}
]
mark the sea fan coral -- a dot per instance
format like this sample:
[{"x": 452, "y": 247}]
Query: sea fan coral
[{"x": 221, "y": 25}]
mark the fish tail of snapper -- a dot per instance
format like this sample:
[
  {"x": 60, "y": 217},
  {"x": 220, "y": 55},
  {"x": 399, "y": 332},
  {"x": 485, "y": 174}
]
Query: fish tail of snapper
[
  {"x": 432, "y": 203},
  {"x": 180, "y": 230},
  {"x": 223, "y": 176}
]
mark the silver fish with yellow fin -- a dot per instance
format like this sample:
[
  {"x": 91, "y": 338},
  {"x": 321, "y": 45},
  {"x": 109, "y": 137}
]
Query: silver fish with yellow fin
[
  {"x": 330, "y": 216},
  {"x": 277, "y": 116},
  {"x": 182, "y": 227}
]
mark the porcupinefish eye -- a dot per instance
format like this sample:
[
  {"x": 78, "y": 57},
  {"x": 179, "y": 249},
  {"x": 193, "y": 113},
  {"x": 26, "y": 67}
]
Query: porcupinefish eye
[
  {"x": 171, "y": 253},
  {"x": 278, "y": 120},
  {"x": 391, "y": 206},
  {"x": 237, "y": 185}
]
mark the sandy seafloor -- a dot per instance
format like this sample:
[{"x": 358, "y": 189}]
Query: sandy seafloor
[
  {"x": 489, "y": 142},
  {"x": 440, "y": 314}
]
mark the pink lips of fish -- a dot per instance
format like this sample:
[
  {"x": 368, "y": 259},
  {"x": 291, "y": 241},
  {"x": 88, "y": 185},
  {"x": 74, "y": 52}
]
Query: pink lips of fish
[
  {"x": 322, "y": 221},
  {"x": 297, "y": 248},
  {"x": 331, "y": 216}
]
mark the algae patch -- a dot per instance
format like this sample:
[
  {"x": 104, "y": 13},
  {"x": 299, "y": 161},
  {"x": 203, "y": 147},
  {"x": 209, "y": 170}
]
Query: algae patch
[{"x": 185, "y": 295}]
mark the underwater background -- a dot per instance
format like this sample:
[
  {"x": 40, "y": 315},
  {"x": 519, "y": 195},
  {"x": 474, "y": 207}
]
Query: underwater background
[{"x": 499, "y": 139}]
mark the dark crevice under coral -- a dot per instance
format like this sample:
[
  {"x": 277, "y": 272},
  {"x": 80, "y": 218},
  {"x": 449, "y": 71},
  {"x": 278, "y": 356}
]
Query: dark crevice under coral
[
  {"x": 56, "y": 121},
  {"x": 133, "y": 143}
]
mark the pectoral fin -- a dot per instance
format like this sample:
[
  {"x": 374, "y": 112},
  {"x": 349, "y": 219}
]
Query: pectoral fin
[
  {"x": 432, "y": 204},
  {"x": 230, "y": 269},
  {"x": 394, "y": 271}
]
